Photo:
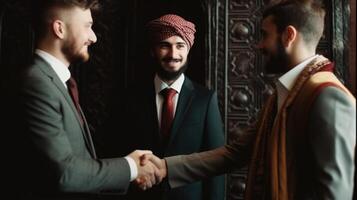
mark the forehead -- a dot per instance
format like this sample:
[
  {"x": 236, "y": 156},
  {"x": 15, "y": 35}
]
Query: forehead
[{"x": 174, "y": 40}]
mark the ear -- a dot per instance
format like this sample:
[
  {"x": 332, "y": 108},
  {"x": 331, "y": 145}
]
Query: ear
[
  {"x": 289, "y": 35},
  {"x": 58, "y": 28}
]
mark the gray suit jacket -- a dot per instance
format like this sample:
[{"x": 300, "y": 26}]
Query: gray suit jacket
[
  {"x": 324, "y": 164},
  {"x": 57, "y": 151}
]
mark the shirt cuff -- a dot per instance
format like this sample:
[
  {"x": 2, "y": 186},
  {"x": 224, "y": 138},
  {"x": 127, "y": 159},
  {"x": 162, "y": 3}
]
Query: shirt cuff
[{"x": 133, "y": 168}]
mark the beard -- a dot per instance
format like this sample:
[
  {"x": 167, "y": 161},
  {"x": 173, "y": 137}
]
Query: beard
[
  {"x": 74, "y": 53},
  {"x": 277, "y": 63},
  {"x": 169, "y": 75}
]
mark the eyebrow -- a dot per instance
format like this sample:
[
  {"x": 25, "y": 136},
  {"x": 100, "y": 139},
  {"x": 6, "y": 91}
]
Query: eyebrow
[{"x": 164, "y": 42}]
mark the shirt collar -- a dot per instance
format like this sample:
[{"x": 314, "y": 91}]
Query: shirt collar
[
  {"x": 59, "y": 67},
  {"x": 288, "y": 79},
  {"x": 160, "y": 85}
]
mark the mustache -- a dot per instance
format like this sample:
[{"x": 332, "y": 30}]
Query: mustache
[{"x": 170, "y": 59}]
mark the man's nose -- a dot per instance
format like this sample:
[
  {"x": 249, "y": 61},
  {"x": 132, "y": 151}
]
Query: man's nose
[
  {"x": 174, "y": 52},
  {"x": 93, "y": 37}
]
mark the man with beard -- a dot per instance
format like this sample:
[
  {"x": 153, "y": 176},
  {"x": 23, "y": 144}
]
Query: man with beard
[
  {"x": 56, "y": 158},
  {"x": 173, "y": 115},
  {"x": 303, "y": 145}
]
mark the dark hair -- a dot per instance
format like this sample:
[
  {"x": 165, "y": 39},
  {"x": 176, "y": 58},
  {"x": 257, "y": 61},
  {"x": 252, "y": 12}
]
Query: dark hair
[
  {"x": 41, "y": 10},
  {"x": 306, "y": 16}
]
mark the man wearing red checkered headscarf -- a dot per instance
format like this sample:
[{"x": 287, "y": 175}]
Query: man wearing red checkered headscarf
[
  {"x": 166, "y": 32},
  {"x": 171, "y": 25},
  {"x": 174, "y": 115}
]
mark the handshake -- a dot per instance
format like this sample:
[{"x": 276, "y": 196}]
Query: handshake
[{"x": 151, "y": 169}]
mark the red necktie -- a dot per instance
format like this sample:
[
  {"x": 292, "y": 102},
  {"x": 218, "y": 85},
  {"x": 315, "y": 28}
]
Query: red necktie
[
  {"x": 73, "y": 91},
  {"x": 167, "y": 115}
]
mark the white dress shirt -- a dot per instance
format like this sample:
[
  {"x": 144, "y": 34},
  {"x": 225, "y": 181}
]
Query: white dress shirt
[
  {"x": 161, "y": 85},
  {"x": 286, "y": 82},
  {"x": 58, "y": 66},
  {"x": 64, "y": 75}
]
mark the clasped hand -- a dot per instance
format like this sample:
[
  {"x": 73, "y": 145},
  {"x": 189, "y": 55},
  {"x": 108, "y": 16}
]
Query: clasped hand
[{"x": 151, "y": 169}]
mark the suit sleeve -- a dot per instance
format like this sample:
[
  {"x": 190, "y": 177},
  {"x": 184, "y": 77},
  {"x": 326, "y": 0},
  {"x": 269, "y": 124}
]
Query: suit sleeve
[
  {"x": 332, "y": 136},
  {"x": 185, "y": 169},
  {"x": 214, "y": 187},
  {"x": 71, "y": 172}
]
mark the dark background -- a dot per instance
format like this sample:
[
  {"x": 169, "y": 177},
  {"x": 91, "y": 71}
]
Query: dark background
[{"x": 223, "y": 57}]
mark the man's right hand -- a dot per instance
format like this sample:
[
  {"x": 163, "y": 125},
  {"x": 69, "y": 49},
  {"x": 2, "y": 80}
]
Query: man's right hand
[
  {"x": 146, "y": 173},
  {"x": 160, "y": 170}
]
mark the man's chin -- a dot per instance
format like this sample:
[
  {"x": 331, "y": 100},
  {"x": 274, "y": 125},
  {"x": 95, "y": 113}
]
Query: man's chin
[
  {"x": 275, "y": 66},
  {"x": 169, "y": 75},
  {"x": 274, "y": 70},
  {"x": 84, "y": 56},
  {"x": 80, "y": 58},
  {"x": 172, "y": 68},
  {"x": 167, "y": 72}
]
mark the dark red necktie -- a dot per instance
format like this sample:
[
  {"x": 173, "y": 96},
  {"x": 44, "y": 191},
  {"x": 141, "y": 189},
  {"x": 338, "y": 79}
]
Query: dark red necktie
[
  {"x": 73, "y": 91},
  {"x": 167, "y": 115}
]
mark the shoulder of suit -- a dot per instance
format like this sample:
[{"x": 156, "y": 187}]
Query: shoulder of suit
[
  {"x": 322, "y": 87},
  {"x": 322, "y": 80},
  {"x": 198, "y": 88},
  {"x": 35, "y": 66},
  {"x": 333, "y": 94}
]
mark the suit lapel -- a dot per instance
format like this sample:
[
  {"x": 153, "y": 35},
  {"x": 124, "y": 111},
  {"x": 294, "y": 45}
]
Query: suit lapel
[
  {"x": 46, "y": 68},
  {"x": 87, "y": 135},
  {"x": 185, "y": 99}
]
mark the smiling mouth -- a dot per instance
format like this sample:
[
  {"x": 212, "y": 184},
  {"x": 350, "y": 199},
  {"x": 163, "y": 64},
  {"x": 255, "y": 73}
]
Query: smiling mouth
[
  {"x": 168, "y": 60},
  {"x": 173, "y": 61}
]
